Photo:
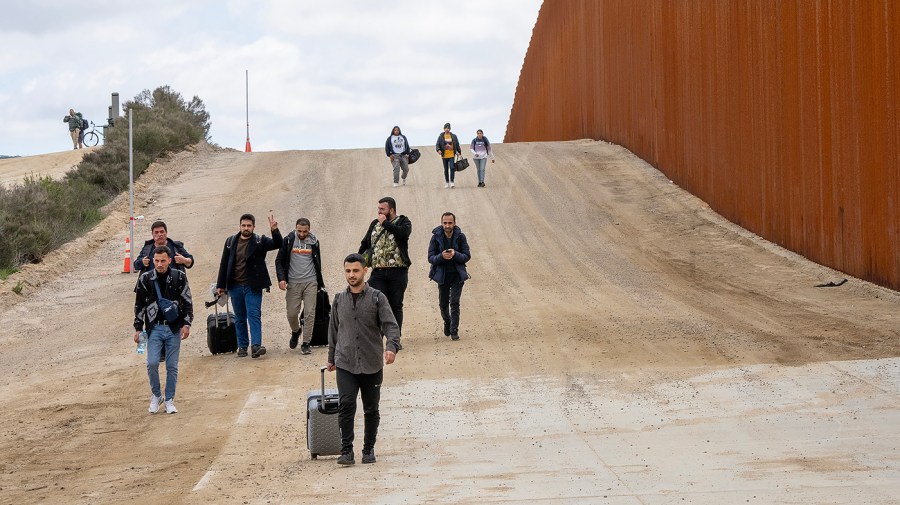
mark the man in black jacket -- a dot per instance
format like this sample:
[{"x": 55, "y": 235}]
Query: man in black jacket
[
  {"x": 173, "y": 285},
  {"x": 386, "y": 244},
  {"x": 181, "y": 259},
  {"x": 299, "y": 271},
  {"x": 243, "y": 274}
]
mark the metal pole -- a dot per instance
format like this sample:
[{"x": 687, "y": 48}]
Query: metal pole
[
  {"x": 247, "y": 148},
  {"x": 247, "y": 100},
  {"x": 130, "y": 195}
]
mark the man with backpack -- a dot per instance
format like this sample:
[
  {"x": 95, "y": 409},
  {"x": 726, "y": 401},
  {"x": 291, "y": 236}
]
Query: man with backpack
[
  {"x": 244, "y": 275},
  {"x": 76, "y": 128}
]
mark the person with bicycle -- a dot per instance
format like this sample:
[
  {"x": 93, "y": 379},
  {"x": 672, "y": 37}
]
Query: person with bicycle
[{"x": 75, "y": 127}]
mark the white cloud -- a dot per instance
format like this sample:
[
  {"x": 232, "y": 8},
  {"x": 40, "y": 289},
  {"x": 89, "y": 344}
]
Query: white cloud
[{"x": 335, "y": 75}]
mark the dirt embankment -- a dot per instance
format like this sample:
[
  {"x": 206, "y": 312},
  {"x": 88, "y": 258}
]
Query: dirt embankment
[{"x": 587, "y": 265}]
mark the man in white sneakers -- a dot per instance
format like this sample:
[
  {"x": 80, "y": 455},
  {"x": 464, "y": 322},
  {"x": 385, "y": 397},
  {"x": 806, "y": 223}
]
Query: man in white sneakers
[
  {"x": 165, "y": 328},
  {"x": 396, "y": 147}
]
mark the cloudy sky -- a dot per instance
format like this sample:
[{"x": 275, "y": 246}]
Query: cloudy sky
[{"x": 322, "y": 75}]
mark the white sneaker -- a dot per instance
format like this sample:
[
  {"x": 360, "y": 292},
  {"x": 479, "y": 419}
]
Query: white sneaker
[
  {"x": 452, "y": 185},
  {"x": 170, "y": 407},
  {"x": 395, "y": 184},
  {"x": 404, "y": 181},
  {"x": 155, "y": 402},
  {"x": 446, "y": 184}
]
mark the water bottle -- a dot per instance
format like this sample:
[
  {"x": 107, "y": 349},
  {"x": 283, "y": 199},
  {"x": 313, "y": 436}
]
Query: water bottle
[{"x": 142, "y": 343}]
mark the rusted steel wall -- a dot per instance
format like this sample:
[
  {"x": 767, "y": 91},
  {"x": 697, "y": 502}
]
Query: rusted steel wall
[{"x": 781, "y": 114}]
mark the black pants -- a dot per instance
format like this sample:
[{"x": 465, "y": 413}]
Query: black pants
[
  {"x": 392, "y": 282},
  {"x": 449, "y": 169},
  {"x": 448, "y": 299},
  {"x": 369, "y": 387}
]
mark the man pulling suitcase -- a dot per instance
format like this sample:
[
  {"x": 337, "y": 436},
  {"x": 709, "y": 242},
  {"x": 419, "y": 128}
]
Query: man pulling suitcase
[{"x": 360, "y": 315}]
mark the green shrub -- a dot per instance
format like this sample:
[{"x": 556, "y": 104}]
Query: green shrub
[{"x": 40, "y": 214}]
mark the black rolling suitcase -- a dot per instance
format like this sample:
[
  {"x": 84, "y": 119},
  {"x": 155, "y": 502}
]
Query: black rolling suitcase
[
  {"x": 323, "y": 314},
  {"x": 221, "y": 337},
  {"x": 323, "y": 436}
]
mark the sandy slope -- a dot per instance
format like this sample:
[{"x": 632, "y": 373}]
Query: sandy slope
[
  {"x": 14, "y": 170},
  {"x": 605, "y": 304}
]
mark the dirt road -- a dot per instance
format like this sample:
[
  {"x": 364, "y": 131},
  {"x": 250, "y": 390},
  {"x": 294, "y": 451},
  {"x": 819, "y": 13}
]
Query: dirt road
[{"x": 620, "y": 343}]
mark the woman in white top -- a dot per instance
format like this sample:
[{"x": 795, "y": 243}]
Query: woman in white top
[{"x": 481, "y": 150}]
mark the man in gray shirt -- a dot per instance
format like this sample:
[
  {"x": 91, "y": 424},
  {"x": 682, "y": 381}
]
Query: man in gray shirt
[
  {"x": 299, "y": 271},
  {"x": 360, "y": 315}
]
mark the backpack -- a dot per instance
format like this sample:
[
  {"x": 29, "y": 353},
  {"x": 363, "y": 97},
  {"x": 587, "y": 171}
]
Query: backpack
[{"x": 84, "y": 124}]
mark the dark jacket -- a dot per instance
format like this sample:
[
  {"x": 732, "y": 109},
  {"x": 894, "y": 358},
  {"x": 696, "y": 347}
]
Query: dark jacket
[
  {"x": 401, "y": 230},
  {"x": 357, "y": 331},
  {"x": 389, "y": 149},
  {"x": 458, "y": 243},
  {"x": 439, "y": 145},
  {"x": 257, "y": 272},
  {"x": 283, "y": 260},
  {"x": 146, "y": 311},
  {"x": 175, "y": 247}
]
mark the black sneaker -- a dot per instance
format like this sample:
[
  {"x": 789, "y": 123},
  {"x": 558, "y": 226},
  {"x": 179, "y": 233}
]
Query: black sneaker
[
  {"x": 242, "y": 352},
  {"x": 257, "y": 351},
  {"x": 368, "y": 456},
  {"x": 295, "y": 337},
  {"x": 346, "y": 459},
  {"x": 446, "y": 329},
  {"x": 305, "y": 348},
  {"x": 454, "y": 337}
]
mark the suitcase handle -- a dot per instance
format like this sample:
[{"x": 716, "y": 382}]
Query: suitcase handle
[
  {"x": 325, "y": 409},
  {"x": 215, "y": 304}
]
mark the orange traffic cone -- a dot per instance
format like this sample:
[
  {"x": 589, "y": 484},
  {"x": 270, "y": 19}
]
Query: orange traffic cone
[
  {"x": 126, "y": 268},
  {"x": 247, "y": 147}
]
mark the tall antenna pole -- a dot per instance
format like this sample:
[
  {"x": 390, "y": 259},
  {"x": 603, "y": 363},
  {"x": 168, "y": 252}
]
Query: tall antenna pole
[
  {"x": 130, "y": 194},
  {"x": 247, "y": 101}
]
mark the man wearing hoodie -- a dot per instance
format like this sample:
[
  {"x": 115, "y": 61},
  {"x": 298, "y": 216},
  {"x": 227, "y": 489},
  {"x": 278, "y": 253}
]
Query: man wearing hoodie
[
  {"x": 299, "y": 271},
  {"x": 448, "y": 253},
  {"x": 396, "y": 147}
]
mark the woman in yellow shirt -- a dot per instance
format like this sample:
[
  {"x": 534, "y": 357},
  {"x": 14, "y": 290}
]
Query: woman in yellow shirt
[{"x": 447, "y": 147}]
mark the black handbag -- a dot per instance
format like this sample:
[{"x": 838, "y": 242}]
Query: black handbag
[
  {"x": 461, "y": 164},
  {"x": 414, "y": 156}
]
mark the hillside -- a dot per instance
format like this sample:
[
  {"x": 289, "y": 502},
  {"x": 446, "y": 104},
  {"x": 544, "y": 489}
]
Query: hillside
[{"x": 620, "y": 342}]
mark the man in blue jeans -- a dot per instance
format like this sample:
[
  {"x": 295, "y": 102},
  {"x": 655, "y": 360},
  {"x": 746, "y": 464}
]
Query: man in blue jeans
[
  {"x": 173, "y": 285},
  {"x": 244, "y": 275}
]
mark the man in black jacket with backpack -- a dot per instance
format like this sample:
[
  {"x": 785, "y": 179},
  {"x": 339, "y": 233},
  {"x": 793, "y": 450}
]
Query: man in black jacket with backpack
[{"x": 244, "y": 275}]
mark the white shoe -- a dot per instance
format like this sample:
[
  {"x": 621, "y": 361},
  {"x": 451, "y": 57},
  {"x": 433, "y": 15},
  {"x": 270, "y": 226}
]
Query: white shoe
[
  {"x": 395, "y": 184},
  {"x": 404, "y": 181},
  {"x": 446, "y": 184},
  {"x": 452, "y": 185},
  {"x": 155, "y": 402},
  {"x": 170, "y": 407}
]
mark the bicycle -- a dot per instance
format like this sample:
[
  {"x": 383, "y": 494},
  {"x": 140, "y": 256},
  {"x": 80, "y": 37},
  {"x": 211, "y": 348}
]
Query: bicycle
[{"x": 92, "y": 137}]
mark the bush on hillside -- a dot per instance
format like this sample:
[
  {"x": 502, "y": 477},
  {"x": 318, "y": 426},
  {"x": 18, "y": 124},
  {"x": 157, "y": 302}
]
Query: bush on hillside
[{"x": 41, "y": 214}]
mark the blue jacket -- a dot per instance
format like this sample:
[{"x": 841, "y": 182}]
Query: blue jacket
[{"x": 458, "y": 243}]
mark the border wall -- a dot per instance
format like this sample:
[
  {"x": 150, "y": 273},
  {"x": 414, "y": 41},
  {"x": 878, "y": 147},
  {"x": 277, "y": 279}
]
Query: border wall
[{"x": 781, "y": 114}]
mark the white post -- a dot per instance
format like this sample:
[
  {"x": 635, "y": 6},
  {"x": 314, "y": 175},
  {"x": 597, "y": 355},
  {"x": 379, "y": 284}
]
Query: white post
[{"x": 130, "y": 195}]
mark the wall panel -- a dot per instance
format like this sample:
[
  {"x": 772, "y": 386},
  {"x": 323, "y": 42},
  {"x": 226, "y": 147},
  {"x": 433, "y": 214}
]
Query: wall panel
[{"x": 781, "y": 114}]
